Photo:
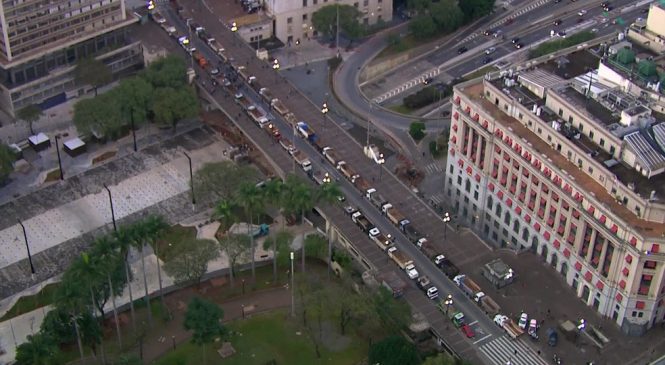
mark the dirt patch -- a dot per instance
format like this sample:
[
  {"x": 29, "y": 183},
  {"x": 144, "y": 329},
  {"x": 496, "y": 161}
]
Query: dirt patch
[
  {"x": 104, "y": 156},
  {"x": 53, "y": 175}
]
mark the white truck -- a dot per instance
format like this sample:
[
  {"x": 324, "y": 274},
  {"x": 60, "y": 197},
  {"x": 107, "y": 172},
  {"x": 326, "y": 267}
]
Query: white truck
[
  {"x": 375, "y": 198},
  {"x": 215, "y": 46},
  {"x": 331, "y": 155},
  {"x": 508, "y": 325},
  {"x": 382, "y": 241},
  {"x": 302, "y": 160},
  {"x": 279, "y": 107},
  {"x": 401, "y": 259}
]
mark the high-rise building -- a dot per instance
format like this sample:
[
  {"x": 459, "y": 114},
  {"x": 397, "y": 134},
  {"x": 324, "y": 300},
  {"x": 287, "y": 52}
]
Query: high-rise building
[
  {"x": 43, "y": 40},
  {"x": 292, "y": 19},
  {"x": 535, "y": 164}
]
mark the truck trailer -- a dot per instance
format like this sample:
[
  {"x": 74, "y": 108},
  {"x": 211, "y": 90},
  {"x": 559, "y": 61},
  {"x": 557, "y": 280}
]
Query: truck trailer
[{"x": 400, "y": 258}]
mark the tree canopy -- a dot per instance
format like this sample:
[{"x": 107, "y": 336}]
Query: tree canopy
[
  {"x": 394, "y": 350},
  {"x": 189, "y": 261},
  {"x": 204, "y": 319},
  {"x": 474, "y": 9},
  {"x": 325, "y": 21},
  {"x": 7, "y": 159},
  {"x": 30, "y": 114},
  {"x": 222, "y": 180},
  {"x": 93, "y": 72},
  {"x": 433, "y": 18},
  {"x": 172, "y": 105}
]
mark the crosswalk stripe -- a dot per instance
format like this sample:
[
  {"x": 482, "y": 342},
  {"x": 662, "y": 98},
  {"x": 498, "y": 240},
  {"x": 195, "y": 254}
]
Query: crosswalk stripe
[{"x": 503, "y": 349}]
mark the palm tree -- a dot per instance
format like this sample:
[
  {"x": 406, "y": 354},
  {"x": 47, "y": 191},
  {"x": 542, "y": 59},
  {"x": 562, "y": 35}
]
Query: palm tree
[
  {"x": 273, "y": 194},
  {"x": 123, "y": 240},
  {"x": 299, "y": 198},
  {"x": 251, "y": 200},
  {"x": 328, "y": 193},
  {"x": 224, "y": 211},
  {"x": 109, "y": 255},
  {"x": 70, "y": 298},
  {"x": 155, "y": 226},
  {"x": 91, "y": 271}
]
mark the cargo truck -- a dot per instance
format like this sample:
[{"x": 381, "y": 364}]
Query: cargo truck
[
  {"x": 291, "y": 118},
  {"x": 346, "y": 170},
  {"x": 490, "y": 307},
  {"x": 266, "y": 94},
  {"x": 242, "y": 72},
  {"x": 382, "y": 241},
  {"x": 410, "y": 231},
  {"x": 302, "y": 160},
  {"x": 200, "y": 59},
  {"x": 393, "y": 282},
  {"x": 511, "y": 328},
  {"x": 170, "y": 30},
  {"x": 215, "y": 46},
  {"x": 359, "y": 219},
  {"x": 272, "y": 131},
  {"x": 243, "y": 101},
  {"x": 394, "y": 215},
  {"x": 446, "y": 266},
  {"x": 375, "y": 198},
  {"x": 456, "y": 316},
  {"x": 401, "y": 259},
  {"x": 469, "y": 286},
  {"x": 279, "y": 107},
  {"x": 307, "y": 132},
  {"x": 360, "y": 183},
  {"x": 256, "y": 115},
  {"x": 287, "y": 145},
  {"x": 331, "y": 156}
]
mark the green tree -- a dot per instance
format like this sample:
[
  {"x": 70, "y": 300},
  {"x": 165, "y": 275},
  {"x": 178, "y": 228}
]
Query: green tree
[
  {"x": 222, "y": 180},
  {"x": 168, "y": 72},
  {"x": 39, "y": 349},
  {"x": 71, "y": 297},
  {"x": 327, "y": 194},
  {"x": 30, "y": 114},
  {"x": 225, "y": 212},
  {"x": 394, "y": 350},
  {"x": 123, "y": 239},
  {"x": 237, "y": 248},
  {"x": 325, "y": 20},
  {"x": 189, "y": 261},
  {"x": 446, "y": 15},
  {"x": 393, "y": 314},
  {"x": 272, "y": 195},
  {"x": 155, "y": 227},
  {"x": 93, "y": 72},
  {"x": 7, "y": 159},
  {"x": 135, "y": 97},
  {"x": 173, "y": 105},
  {"x": 474, "y": 9},
  {"x": 423, "y": 26},
  {"x": 417, "y": 130},
  {"x": 58, "y": 326},
  {"x": 100, "y": 116},
  {"x": 298, "y": 198},
  {"x": 204, "y": 319},
  {"x": 251, "y": 199},
  {"x": 418, "y": 6},
  {"x": 316, "y": 246},
  {"x": 282, "y": 245}
]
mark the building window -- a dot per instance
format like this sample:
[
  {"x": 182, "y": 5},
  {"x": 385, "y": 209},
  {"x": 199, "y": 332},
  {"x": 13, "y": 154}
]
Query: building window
[
  {"x": 304, "y": 3},
  {"x": 304, "y": 17},
  {"x": 486, "y": 229},
  {"x": 475, "y": 195},
  {"x": 581, "y": 127},
  {"x": 612, "y": 150},
  {"x": 451, "y": 169},
  {"x": 490, "y": 202},
  {"x": 602, "y": 142},
  {"x": 520, "y": 116},
  {"x": 498, "y": 210},
  {"x": 506, "y": 218},
  {"x": 466, "y": 199},
  {"x": 525, "y": 235},
  {"x": 314, "y": 2},
  {"x": 289, "y": 20},
  {"x": 540, "y": 130},
  {"x": 467, "y": 186},
  {"x": 560, "y": 112},
  {"x": 494, "y": 236},
  {"x": 458, "y": 192},
  {"x": 590, "y": 134},
  {"x": 365, "y": 3},
  {"x": 516, "y": 226},
  {"x": 459, "y": 180}
]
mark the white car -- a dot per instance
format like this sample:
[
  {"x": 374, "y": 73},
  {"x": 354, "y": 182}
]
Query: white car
[
  {"x": 524, "y": 321},
  {"x": 490, "y": 50},
  {"x": 439, "y": 259},
  {"x": 500, "y": 319},
  {"x": 581, "y": 12},
  {"x": 433, "y": 292},
  {"x": 374, "y": 232},
  {"x": 459, "y": 279},
  {"x": 411, "y": 271}
]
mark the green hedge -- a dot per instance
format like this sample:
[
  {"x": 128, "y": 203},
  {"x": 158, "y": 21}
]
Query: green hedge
[{"x": 561, "y": 43}]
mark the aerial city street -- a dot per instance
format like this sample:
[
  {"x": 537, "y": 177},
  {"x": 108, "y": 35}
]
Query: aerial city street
[{"x": 332, "y": 182}]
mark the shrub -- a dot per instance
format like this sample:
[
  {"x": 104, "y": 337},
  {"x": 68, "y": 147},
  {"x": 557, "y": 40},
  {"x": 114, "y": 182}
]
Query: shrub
[{"x": 417, "y": 131}]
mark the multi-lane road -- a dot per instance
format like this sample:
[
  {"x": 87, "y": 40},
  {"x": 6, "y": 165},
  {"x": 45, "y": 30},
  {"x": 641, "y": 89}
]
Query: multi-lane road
[{"x": 490, "y": 340}]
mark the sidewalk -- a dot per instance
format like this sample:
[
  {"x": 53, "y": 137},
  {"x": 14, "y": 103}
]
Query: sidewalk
[{"x": 308, "y": 51}]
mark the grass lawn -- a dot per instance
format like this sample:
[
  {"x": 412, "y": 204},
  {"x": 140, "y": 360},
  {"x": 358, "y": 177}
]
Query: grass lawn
[
  {"x": 173, "y": 237},
  {"x": 479, "y": 72},
  {"x": 401, "y": 108},
  {"x": 266, "y": 337},
  {"x": 31, "y": 302}
]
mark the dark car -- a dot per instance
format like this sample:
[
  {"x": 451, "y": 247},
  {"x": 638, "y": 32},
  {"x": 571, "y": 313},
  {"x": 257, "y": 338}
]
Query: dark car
[
  {"x": 461, "y": 50},
  {"x": 428, "y": 80},
  {"x": 515, "y": 40},
  {"x": 518, "y": 45},
  {"x": 487, "y": 60},
  {"x": 488, "y": 32},
  {"x": 557, "y": 22}
]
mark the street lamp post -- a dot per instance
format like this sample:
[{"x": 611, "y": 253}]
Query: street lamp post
[
  {"x": 191, "y": 177},
  {"x": 27, "y": 247},
  {"x": 293, "y": 305},
  {"x": 324, "y": 111},
  {"x": 115, "y": 227},
  {"x": 446, "y": 219},
  {"x": 448, "y": 302},
  {"x": 381, "y": 162},
  {"x": 57, "y": 149}
]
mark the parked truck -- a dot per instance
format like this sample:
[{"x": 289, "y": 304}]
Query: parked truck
[
  {"x": 168, "y": 28},
  {"x": 467, "y": 285},
  {"x": 272, "y": 131},
  {"x": 256, "y": 115},
  {"x": 331, "y": 155},
  {"x": 360, "y": 183},
  {"x": 303, "y": 161},
  {"x": 243, "y": 101},
  {"x": 490, "y": 307},
  {"x": 362, "y": 222},
  {"x": 215, "y": 46},
  {"x": 393, "y": 282},
  {"x": 446, "y": 266},
  {"x": 511, "y": 328},
  {"x": 393, "y": 214},
  {"x": 243, "y": 72},
  {"x": 287, "y": 145},
  {"x": 346, "y": 170},
  {"x": 455, "y": 315},
  {"x": 375, "y": 198},
  {"x": 379, "y": 238},
  {"x": 291, "y": 118},
  {"x": 307, "y": 132},
  {"x": 401, "y": 259},
  {"x": 410, "y": 231},
  {"x": 279, "y": 107},
  {"x": 266, "y": 94},
  {"x": 319, "y": 176}
]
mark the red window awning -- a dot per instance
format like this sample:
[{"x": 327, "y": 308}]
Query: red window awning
[
  {"x": 555, "y": 197},
  {"x": 476, "y": 117},
  {"x": 588, "y": 276},
  {"x": 655, "y": 248},
  {"x": 614, "y": 228},
  {"x": 500, "y": 194},
  {"x": 457, "y": 100},
  {"x": 576, "y": 214},
  {"x": 578, "y": 266},
  {"x": 591, "y": 209},
  {"x": 469, "y": 169},
  {"x": 600, "y": 285},
  {"x": 633, "y": 241},
  {"x": 491, "y": 186},
  {"x": 527, "y": 218},
  {"x": 454, "y": 139},
  {"x": 485, "y": 124},
  {"x": 629, "y": 259},
  {"x": 521, "y": 197},
  {"x": 460, "y": 162},
  {"x": 509, "y": 202},
  {"x": 531, "y": 205},
  {"x": 625, "y": 271},
  {"x": 455, "y": 127},
  {"x": 518, "y": 209},
  {"x": 566, "y": 253},
  {"x": 603, "y": 219},
  {"x": 571, "y": 238},
  {"x": 477, "y": 177},
  {"x": 550, "y": 222},
  {"x": 546, "y": 235},
  {"x": 647, "y": 277},
  {"x": 639, "y": 304},
  {"x": 622, "y": 284},
  {"x": 537, "y": 226},
  {"x": 467, "y": 110},
  {"x": 619, "y": 297},
  {"x": 565, "y": 205},
  {"x": 561, "y": 229},
  {"x": 452, "y": 151}
]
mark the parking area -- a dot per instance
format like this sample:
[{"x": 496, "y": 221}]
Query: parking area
[{"x": 542, "y": 293}]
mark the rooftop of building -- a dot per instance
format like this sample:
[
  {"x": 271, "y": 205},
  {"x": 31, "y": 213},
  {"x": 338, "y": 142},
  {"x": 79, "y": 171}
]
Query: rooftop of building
[
  {"x": 474, "y": 91},
  {"x": 588, "y": 106},
  {"x": 572, "y": 64}
]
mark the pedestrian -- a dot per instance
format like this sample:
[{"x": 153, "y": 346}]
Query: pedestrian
[{"x": 515, "y": 352}]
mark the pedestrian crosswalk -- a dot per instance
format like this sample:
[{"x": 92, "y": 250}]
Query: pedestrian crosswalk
[
  {"x": 504, "y": 350},
  {"x": 436, "y": 199},
  {"x": 434, "y": 168}
]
